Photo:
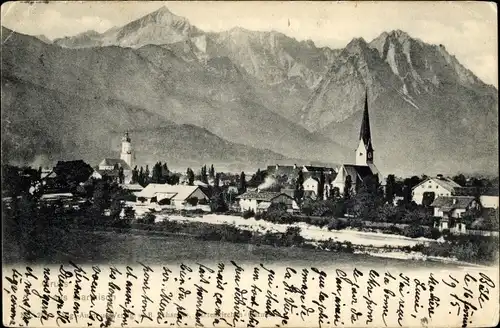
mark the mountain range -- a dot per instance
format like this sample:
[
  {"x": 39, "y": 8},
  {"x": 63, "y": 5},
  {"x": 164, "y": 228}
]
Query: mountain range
[{"x": 242, "y": 99}]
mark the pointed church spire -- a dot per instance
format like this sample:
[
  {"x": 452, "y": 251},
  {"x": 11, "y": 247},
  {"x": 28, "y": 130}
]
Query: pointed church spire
[{"x": 365, "y": 133}]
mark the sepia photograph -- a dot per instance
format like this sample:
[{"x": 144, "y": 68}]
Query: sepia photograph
[{"x": 251, "y": 143}]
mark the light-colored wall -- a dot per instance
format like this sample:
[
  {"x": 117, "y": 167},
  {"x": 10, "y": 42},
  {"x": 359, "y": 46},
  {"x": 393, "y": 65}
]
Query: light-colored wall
[
  {"x": 311, "y": 184},
  {"x": 248, "y": 205},
  {"x": 361, "y": 154},
  {"x": 428, "y": 186},
  {"x": 489, "y": 201},
  {"x": 457, "y": 213}
]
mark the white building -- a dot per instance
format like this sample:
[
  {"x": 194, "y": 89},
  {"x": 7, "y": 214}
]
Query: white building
[
  {"x": 453, "y": 206},
  {"x": 438, "y": 186},
  {"x": 259, "y": 201},
  {"x": 109, "y": 166},
  {"x": 488, "y": 201},
  {"x": 364, "y": 166},
  {"x": 311, "y": 184},
  {"x": 179, "y": 197}
]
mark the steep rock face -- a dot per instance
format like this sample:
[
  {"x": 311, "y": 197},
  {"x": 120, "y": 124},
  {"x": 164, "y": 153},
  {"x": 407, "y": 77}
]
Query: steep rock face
[
  {"x": 159, "y": 27},
  {"x": 270, "y": 91},
  {"x": 153, "y": 79},
  {"x": 429, "y": 112}
]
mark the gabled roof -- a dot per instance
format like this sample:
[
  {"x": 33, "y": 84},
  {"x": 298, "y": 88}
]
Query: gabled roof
[
  {"x": 310, "y": 168},
  {"x": 113, "y": 161},
  {"x": 132, "y": 186},
  {"x": 108, "y": 173},
  {"x": 444, "y": 182},
  {"x": 283, "y": 169},
  {"x": 49, "y": 175},
  {"x": 266, "y": 196},
  {"x": 175, "y": 192},
  {"x": 358, "y": 171},
  {"x": 447, "y": 203},
  {"x": 312, "y": 178}
]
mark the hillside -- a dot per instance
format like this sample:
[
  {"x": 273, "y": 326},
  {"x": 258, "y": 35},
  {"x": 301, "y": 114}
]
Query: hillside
[
  {"x": 156, "y": 81},
  {"x": 429, "y": 113}
]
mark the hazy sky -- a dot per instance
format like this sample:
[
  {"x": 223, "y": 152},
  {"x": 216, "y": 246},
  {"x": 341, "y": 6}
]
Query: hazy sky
[{"x": 468, "y": 30}]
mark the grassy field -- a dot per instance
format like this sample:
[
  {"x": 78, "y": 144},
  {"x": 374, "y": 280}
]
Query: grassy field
[{"x": 124, "y": 248}]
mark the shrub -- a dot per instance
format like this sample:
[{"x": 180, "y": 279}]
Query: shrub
[
  {"x": 292, "y": 237},
  {"x": 413, "y": 231},
  {"x": 336, "y": 224},
  {"x": 148, "y": 218},
  {"x": 248, "y": 214},
  {"x": 435, "y": 233}
]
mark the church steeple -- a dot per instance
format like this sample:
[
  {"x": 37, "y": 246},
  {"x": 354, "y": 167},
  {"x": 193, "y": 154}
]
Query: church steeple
[
  {"x": 126, "y": 153},
  {"x": 364, "y": 153}
]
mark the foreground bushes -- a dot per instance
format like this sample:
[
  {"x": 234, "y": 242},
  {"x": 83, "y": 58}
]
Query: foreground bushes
[{"x": 475, "y": 249}]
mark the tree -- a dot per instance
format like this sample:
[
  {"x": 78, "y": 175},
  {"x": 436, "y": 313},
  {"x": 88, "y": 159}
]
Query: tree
[
  {"x": 190, "y": 176},
  {"x": 347, "y": 187},
  {"x": 211, "y": 172},
  {"x": 121, "y": 175},
  {"x": 390, "y": 189},
  {"x": 217, "y": 203},
  {"x": 164, "y": 170},
  {"x": 135, "y": 175},
  {"x": 335, "y": 194},
  {"x": 257, "y": 178},
  {"x": 368, "y": 199},
  {"x": 146, "y": 175},
  {"x": 203, "y": 175},
  {"x": 321, "y": 186},
  {"x": 156, "y": 176},
  {"x": 100, "y": 199},
  {"x": 72, "y": 173},
  {"x": 299, "y": 188},
  {"x": 140, "y": 178},
  {"x": 243, "y": 183},
  {"x": 39, "y": 174},
  {"x": 216, "y": 181},
  {"x": 460, "y": 179}
]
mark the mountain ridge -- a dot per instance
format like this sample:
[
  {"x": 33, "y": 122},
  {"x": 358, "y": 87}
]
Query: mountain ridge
[{"x": 417, "y": 92}]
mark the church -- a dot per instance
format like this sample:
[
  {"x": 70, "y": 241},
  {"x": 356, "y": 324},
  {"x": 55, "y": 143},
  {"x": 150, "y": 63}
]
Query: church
[
  {"x": 111, "y": 167},
  {"x": 364, "y": 159}
]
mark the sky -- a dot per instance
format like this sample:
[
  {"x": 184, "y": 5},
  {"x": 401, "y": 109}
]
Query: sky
[{"x": 468, "y": 30}]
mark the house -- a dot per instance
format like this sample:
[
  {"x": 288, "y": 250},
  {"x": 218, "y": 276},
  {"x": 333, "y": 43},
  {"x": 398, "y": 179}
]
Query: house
[
  {"x": 113, "y": 163},
  {"x": 453, "y": 206},
  {"x": 112, "y": 175},
  {"x": 135, "y": 188},
  {"x": 310, "y": 171},
  {"x": 358, "y": 173},
  {"x": 489, "y": 198},
  {"x": 454, "y": 226},
  {"x": 179, "y": 197},
  {"x": 124, "y": 162},
  {"x": 364, "y": 159},
  {"x": 311, "y": 184},
  {"x": 282, "y": 170},
  {"x": 259, "y": 201},
  {"x": 434, "y": 187}
]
